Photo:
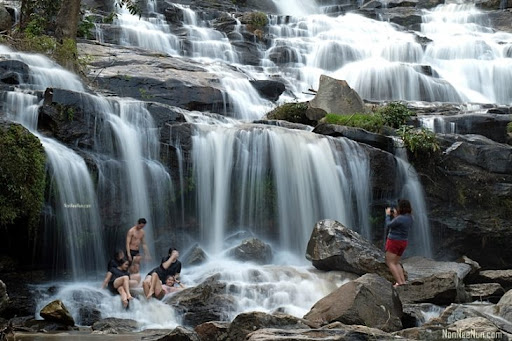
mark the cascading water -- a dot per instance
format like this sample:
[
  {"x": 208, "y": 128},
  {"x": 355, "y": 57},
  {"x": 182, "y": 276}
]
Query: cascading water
[
  {"x": 411, "y": 189},
  {"x": 76, "y": 217}
]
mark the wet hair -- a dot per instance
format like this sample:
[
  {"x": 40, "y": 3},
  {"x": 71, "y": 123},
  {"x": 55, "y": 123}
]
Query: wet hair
[
  {"x": 124, "y": 260},
  {"x": 171, "y": 249},
  {"x": 141, "y": 221},
  {"x": 117, "y": 253},
  {"x": 404, "y": 206}
]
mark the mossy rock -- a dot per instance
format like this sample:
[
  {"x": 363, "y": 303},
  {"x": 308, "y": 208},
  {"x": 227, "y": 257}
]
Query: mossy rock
[
  {"x": 291, "y": 112},
  {"x": 22, "y": 174}
]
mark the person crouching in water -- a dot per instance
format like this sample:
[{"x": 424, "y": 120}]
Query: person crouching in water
[
  {"x": 117, "y": 281},
  {"x": 398, "y": 223},
  {"x": 170, "y": 266}
]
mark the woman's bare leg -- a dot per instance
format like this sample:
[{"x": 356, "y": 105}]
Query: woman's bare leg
[
  {"x": 393, "y": 263},
  {"x": 154, "y": 280},
  {"x": 124, "y": 298}
]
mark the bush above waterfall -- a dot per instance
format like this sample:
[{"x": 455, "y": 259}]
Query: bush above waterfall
[{"x": 22, "y": 170}]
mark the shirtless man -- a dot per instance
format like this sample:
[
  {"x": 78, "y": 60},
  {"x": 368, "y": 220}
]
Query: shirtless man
[{"x": 134, "y": 239}]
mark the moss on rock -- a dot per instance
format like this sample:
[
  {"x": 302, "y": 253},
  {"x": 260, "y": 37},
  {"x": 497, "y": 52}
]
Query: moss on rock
[
  {"x": 291, "y": 112},
  {"x": 22, "y": 176}
]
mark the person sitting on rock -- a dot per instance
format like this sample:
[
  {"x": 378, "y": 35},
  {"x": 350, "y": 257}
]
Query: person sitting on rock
[
  {"x": 171, "y": 285},
  {"x": 117, "y": 281},
  {"x": 170, "y": 266},
  {"x": 118, "y": 258}
]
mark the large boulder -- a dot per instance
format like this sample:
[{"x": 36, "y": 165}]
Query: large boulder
[
  {"x": 369, "y": 300},
  {"x": 205, "y": 302},
  {"x": 504, "y": 306},
  {"x": 269, "y": 89},
  {"x": 195, "y": 256},
  {"x": 246, "y": 323},
  {"x": 333, "y": 246},
  {"x": 113, "y": 325},
  {"x": 419, "y": 267},
  {"x": 56, "y": 311},
  {"x": 336, "y": 97},
  {"x": 252, "y": 250},
  {"x": 213, "y": 331},
  {"x": 5, "y": 19},
  {"x": 502, "y": 277},
  {"x": 491, "y": 292},
  {"x": 439, "y": 288}
]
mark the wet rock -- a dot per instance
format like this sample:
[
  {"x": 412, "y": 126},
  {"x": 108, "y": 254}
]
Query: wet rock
[
  {"x": 419, "y": 267},
  {"x": 337, "y": 97},
  {"x": 480, "y": 151},
  {"x": 473, "y": 327},
  {"x": 475, "y": 267},
  {"x": 414, "y": 315},
  {"x": 30, "y": 324},
  {"x": 56, "y": 311},
  {"x": 502, "y": 277},
  {"x": 88, "y": 315},
  {"x": 252, "y": 250},
  {"x": 177, "y": 334},
  {"x": 194, "y": 256},
  {"x": 491, "y": 292},
  {"x": 213, "y": 331},
  {"x": 5, "y": 19},
  {"x": 440, "y": 289},
  {"x": 504, "y": 306},
  {"x": 337, "y": 332},
  {"x": 269, "y": 89},
  {"x": 4, "y": 298},
  {"x": 114, "y": 325},
  {"x": 282, "y": 55},
  {"x": 369, "y": 300},
  {"x": 357, "y": 134},
  {"x": 205, "y": 302},
  {"x": 13, "y": 72},
  {"x": 333, "y": 246},
  {"x": 245, "y": 323}
]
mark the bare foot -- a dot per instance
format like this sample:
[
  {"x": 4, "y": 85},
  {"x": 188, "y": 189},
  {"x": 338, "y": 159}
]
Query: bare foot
[
  {"x": 148, "y": 296},
  {"x": 125, "y": 303},
  {"x": 129, "y": 297}
]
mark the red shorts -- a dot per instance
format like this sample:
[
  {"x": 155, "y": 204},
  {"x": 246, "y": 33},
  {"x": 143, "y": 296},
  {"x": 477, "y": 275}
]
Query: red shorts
[{"x": 396, "y": 246}]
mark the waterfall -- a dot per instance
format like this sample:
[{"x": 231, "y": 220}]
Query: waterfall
[
  {"x": 77, "y": 224},
  {"x": 245, "y": 180},
  {"x": 411, "y": 189}
]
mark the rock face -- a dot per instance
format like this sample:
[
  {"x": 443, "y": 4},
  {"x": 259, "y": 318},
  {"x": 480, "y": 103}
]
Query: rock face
[
  {"x": 332, "y": 246},
  {"x": 246, "y": 323},
  {"x": 502, "y": 277},
  {"x": 5, "y": 19},
  {"x": 337, "y": 97},
  {"x": 252, "y": 250},
  {"x": 419, "y": 267},
  {"x": 205, "y": 302},
  {"x": 56, "y": 312},
  {"x": 369, "y": 300}
]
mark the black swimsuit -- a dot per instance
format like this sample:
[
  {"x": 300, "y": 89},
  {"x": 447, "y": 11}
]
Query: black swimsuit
[{"x": 116, "y": 273}]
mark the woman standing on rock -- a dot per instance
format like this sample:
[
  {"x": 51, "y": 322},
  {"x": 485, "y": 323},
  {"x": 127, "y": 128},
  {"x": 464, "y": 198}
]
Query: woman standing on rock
[{"x": 398, "y": 223}]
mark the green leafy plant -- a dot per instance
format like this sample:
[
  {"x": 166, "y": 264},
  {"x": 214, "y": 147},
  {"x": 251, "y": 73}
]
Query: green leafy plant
[
  {"x": 370, "y": 122},
  {"x": 418, "y": 140},
  {"x": 256, "y": 21},
  {"x": 509, "y": 127},
  {"x": 85, "y": 27},
  {"x": 36, "y": 26},
  {"x": 395, "y": 114}
]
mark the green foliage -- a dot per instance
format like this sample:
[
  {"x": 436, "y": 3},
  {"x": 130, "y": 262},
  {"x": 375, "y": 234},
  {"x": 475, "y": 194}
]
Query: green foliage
[
  {"x": 22, "y": 174},
  {"x": 370, "y": 122},
  {"x": 85, "y": 27},
  {"x": 109, "y": 19},
  {"x": 66, "y": 54},
  {"x": 257, "y": 20},
  {"x": 39, "y": 44},
  {"x": 36, "y": 26},
  {"x": 418, "y": 140},
  {"x": 292, "y": 112},
  {"x": 395, "y": 114},
  {"x": 132, "y": 6},
  {"x": 509, "y": 127},
  {"x": 144, "y": 94}
]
